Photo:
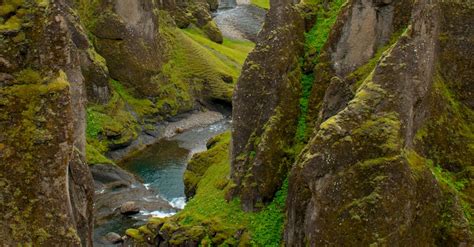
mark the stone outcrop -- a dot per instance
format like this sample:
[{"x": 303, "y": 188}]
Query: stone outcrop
[
  {"x": 46, "y": 187},
  {"x": 371, "y": 173},
  {"x": 198, "y": 13},
  {"x": 266, "y": 107},
  {"x": 127, "y": 36},
  {"x": 362, "y": 29}
]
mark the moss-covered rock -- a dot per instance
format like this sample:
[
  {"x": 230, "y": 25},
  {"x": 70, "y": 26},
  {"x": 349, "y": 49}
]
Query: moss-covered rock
[
  {"x": 46, "y": 188},
  {"x": 266, "y": 108},
  {"x": 367, "y": 175}
]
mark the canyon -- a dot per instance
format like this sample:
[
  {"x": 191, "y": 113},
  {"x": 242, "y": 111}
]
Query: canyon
[{"x": 236, "y": 123}]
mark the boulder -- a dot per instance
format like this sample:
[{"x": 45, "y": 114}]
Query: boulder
[
  {"x": 129, "y": 208},
  {"x": 113, "y": 238}
]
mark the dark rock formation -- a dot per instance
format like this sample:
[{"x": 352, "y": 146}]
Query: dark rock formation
[
  {"x": 365, "y": 177},
  {"x": 266, "y": 108},
  {"x": 46, "y": 188}
]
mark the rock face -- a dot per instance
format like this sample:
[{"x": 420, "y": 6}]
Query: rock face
[
  {"x": 368, "y": 174},
  {"x": 362, "y": 29},
  {"x": 128, "y": 38},
  {"x": 46, "y": 188},
  {"x": 266, "y": 108}
]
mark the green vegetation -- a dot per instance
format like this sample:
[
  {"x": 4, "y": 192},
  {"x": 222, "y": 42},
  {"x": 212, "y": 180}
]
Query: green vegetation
[
  {"x": 314, "y": 41},
  {"x": 448, "y": 178},
  {"x": 264, "y": 4},
  {"x": 306, "y": 84},
  {"x": 210, "y": 214},
  {"x": 266, "y": 227},
  {"x": 318, "y": 35},
  {"x": 448, "y": 136},
  {"x": 195, "y": 64},
  {"x": 234, "y": 50},
  {"x": 111, "y": 124},
  {"x": 93, "y": 156}
]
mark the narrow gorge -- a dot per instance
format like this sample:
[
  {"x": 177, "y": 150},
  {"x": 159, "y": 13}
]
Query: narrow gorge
[{"x": 236, "y": 123}]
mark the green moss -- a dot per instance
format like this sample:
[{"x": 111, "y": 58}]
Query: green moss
[
  {"x": 143, "y": 107},
  {"x": 135, "y": 234},
  {"x": 12, "y": 24},
  {"x": 306, "y": 85},
  {"x": 93, "y": 156},
  {"x": 448, "y": 134},
  {"x": 111, "y": 124},
  {"x": 318, "y": 35},
  {"x": 28, "y": 76},
  {"x": 97, "y": 58},
  {"x": 31, "y": 110},
  {"x": 9, "y": 6},
  {"x": 384, "y": 128},
  {"x": 266, "y": 227},
  {"x": 314, "y": 41},
  {"x": 264, "y": 4}
]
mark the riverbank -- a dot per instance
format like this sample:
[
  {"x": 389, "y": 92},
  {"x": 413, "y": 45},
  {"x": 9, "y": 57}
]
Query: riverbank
[
  {"x": 166, "y": 129},
  {"x": 242, "y": 22}
]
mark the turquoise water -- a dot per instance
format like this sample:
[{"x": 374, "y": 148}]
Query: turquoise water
[
  {"x": 161, "y": 168},
  {"x": 162, "y": 165}
]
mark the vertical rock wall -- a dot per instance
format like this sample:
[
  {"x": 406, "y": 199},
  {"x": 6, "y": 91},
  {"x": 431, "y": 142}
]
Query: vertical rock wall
[
  {"x": 361, "y": 180},
  {"x": 266, "y": 108},
  {"x": 46, "y": 187}
]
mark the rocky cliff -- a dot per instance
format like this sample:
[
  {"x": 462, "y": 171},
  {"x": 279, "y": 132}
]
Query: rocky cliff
[
  {"x": 380, "y": 164},
  {"x": 155, "y": 70},
  {"x": 46, "y": 195},
  {"x": 358, "y": 115},
  {"x": 79, "y": 79},
  {"x": 266, "y": 108}
]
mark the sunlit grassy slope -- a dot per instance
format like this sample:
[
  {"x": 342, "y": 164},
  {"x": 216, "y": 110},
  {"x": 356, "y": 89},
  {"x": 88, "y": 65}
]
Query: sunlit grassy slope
[
  {"x": 264, "y": 4},
  {"x": 196, "y": 66}
]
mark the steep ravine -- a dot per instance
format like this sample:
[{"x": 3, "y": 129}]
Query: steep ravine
[
  {"x": 352, "y": 123},
  {"x": 152, "y": 179},
  {"x": 340, "y": 133}
]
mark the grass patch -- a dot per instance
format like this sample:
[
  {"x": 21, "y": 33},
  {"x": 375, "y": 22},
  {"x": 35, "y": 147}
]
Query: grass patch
[
  {"x": 266, "y": 227},
  {"x": 233, "y": 50},
  {"x": 317, "y": 36},
  {"x": 314, "y": 41},
  {"x": 93, "y": 156},
  {"x": 306, "y": 84},
  {"x": 264, "y": 4},
  {"x": 143, "y": 107}
]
